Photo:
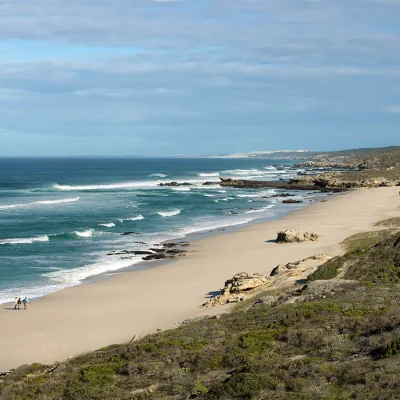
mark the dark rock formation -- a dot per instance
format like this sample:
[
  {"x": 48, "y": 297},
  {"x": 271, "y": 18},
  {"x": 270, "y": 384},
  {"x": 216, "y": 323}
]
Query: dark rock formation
[
  {"x": 291, "y": 201},
  {"x": 174, "y": 184},
  {"x": 283, "y": 195}
]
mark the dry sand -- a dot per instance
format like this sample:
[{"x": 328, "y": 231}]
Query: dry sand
[{"x": 87, "y": 317}]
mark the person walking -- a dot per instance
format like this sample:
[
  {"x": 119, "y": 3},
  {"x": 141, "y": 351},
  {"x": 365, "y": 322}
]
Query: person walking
[
  {"x": 25, "y": 301},
  {"x": 19, "y": 302},
  {"x": 15, "y": 302}
]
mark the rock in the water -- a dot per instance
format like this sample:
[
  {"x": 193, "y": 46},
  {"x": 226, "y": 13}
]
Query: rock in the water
[
  {"x": 283, "y": 195},
  {"x": 236, "y": 288},
  {"x": 129, "y": 233},
  {"x": 294, "y": 235},
  {"x": 291, "y": 201},
  {"x": 175, "y": 184}
]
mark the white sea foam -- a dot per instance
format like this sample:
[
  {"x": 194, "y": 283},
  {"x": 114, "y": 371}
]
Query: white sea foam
[
  {"x": 212, "y": 225},
  {"x": 181, "y": 189},
  {"x": 209, "y": 195},
  {"x": 126, "y": 185},
  {"x": 41, "y": 202},
  {"x": 43, "y": 238},
  {"x": 205, "y": 174},
  {"x": 157, "y": 175},
  {"x": 166, "y": 214},
  {"x": 270, "y": 167},
  {"x": 275, "y": 172},
  {"x": 206, "y": 187},
  {"x": 122, "y": 185},
  {"x": 85, "y": 234},
  {"x": 259, "y": 210},
  {"x": 137, "y": 218},
  {"x": 248, "y": 195},
  {"x": 109, "y": 225},
  {"x": 242, "y": 171},
  {"x": 70, "y": 277}
]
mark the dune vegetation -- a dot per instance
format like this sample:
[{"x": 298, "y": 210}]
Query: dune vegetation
[{"x": 335, "y": 337}]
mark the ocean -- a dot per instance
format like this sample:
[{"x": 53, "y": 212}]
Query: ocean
[{"x": 59, "y": 217}]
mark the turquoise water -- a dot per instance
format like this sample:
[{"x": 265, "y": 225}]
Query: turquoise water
[{"x": 60, "y": 217}]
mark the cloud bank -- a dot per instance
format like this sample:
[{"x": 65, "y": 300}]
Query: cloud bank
[{"x": 194, "y": 76}]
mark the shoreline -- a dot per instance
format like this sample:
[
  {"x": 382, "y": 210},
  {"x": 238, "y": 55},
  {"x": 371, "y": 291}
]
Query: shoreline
[
  {"x": 197, "y": 236},
  {"x": 280, "y": 211},
  {"x": 78, "y": 319}
]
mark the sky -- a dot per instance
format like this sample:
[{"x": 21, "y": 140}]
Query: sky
[{"x": 197, "y": 77}]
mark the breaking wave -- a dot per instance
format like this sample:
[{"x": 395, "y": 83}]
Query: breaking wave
[
  {"x": 84, "y": 234},
  {"x": 43, "y": 238},
  {"x": 166, "y": 214},
  {"x": 205, "y": 174},
  {"x": 42, "y": 202},
  {"x": 137, "y": 218},
  {"x": 70, "y": 277}
]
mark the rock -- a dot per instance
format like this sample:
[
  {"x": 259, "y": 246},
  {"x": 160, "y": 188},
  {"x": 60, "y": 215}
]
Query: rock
[
  {"x": 267, "y": 300},
  {"x": 294, "y": 235},
  {"x": 142, "y": 252},
  {"x": 144, "y": 392},
  {"x": 175, "y": 184},
  {"x": 283, "y": 195},
  {"x": 327, "y": 164},
  {"x": 237, "y": 288},
  {"x": 210, "y": 183},
  {"x": 318, "y": 290},
  {"x": 153, "y": 257},
  {"x": 291, "y": 201},
  {"x": 278, "y": 270},
  {"x": 175, "y": 251},
  {"x": 283, "y": 269},
  {"x": 129, "y": 233},
  {"x": 179, "y": 244}
]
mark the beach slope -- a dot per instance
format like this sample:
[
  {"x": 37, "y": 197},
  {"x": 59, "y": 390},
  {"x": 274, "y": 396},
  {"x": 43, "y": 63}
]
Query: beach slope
[{"x": 114, "y": 310}]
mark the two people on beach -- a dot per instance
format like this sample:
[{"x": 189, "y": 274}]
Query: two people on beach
[{"x": 18, "y": 302}]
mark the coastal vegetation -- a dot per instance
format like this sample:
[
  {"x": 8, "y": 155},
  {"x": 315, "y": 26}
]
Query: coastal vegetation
[
  {"x": 336, "y": 171},
  {"x": 334, "y": 337}
]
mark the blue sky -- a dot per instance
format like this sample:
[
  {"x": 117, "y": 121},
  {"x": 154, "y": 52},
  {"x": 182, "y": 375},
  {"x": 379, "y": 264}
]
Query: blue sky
[{"x": 192, "y": 77}]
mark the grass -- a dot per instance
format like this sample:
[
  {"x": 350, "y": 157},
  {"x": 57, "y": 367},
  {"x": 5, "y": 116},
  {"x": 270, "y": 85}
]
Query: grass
[
  {"x": 390, "y": 223},
  {"x": 342, "y": 345}
]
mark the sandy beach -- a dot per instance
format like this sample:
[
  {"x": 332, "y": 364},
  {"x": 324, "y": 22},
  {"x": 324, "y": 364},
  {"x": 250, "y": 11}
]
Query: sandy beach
[{"x": 87, "y": 317}]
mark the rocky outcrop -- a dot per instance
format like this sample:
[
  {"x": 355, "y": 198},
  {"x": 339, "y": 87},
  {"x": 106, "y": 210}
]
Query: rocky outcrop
[
  {"x": 327, "y": 164},
  {"x": 339, "y": 180},
  {"x": 312, "y": 291},
  {"x": 303, "y": 183},
  {"x": 292, "y": 201},
  {"x": 174, "y": 184},
  {"x": 299, "y": 265},
  {"x": 166, "y": 251},
  {"x": 294, "y": 236},
  {"x": 237, "y": 288},
  {"x": 280, "y": 184},
  {"x": 283, "y": 195}
]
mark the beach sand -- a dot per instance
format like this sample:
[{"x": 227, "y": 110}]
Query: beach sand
[{"x": 113, "y": 310}]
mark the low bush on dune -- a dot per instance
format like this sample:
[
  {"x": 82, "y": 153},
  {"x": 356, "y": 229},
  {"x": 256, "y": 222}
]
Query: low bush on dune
[{"x": 342, "y": 345}]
